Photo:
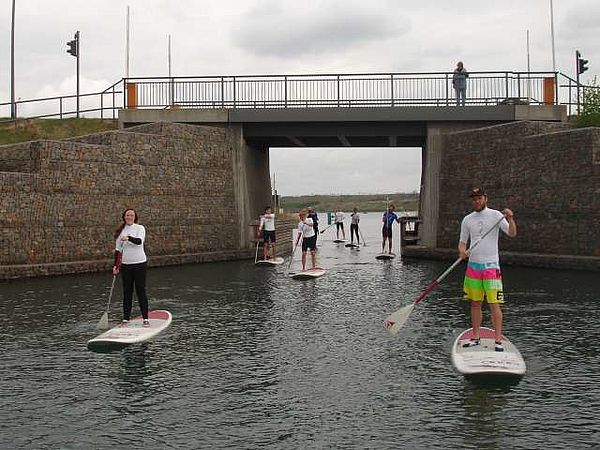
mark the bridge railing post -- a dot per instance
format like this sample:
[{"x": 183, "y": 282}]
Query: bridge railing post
[
  {"x": 392, "y": 88},
  {"x": 506, "y": 85},
  {"x": 447, "y": 90},
  {"x": 234, "y": 93},
  {"x": 285, "y": 91},
  {"x": 338, "y": 90},
  {"x": 222, "y": 92}
]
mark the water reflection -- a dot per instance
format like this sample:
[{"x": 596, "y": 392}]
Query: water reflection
[{"x": 255, "y": 359}]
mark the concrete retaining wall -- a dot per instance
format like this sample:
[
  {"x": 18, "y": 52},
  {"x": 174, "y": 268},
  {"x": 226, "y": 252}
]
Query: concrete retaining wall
[
  {"x": 61, "y": 200},
  {"x": 548, "y": 174}
]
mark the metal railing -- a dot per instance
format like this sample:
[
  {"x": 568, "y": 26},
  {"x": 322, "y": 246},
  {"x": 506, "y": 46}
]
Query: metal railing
[
  {"x": 309, "y": 91},
  {"x": 103, "y": 104},
  {"x": 334, "y": 90}
]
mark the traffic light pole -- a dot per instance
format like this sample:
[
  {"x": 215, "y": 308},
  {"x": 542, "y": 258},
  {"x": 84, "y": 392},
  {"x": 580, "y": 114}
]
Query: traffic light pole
[
  {"x": 74, "y": 50},
  {"x": 577, "y": 56},
  {"x": 580, "y": 67}
]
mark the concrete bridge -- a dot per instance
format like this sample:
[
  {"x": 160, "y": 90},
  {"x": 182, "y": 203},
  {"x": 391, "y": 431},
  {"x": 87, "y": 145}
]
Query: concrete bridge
[{"x": 350, "y": 110}]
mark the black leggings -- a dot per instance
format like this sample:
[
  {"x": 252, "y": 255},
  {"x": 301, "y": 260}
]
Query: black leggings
[
  {"x": 134, "y": 274},
  {"x": 353, "y": 231}
]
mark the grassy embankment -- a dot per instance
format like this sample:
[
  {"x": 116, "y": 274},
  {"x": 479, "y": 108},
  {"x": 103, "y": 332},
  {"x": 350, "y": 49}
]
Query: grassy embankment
[
  {"x": 37, "y": 129},
  {"x": 364, "y": 203}
]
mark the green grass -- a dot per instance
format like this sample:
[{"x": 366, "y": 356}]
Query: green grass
[
  {"x": 364, "y": 203},
  {"x": 38, "y": 129}
]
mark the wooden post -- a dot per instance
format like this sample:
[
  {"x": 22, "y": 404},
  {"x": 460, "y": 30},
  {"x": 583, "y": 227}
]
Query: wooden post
[
  {"x": 549, "y": 91},
  {"x": 131, "y": 89}
]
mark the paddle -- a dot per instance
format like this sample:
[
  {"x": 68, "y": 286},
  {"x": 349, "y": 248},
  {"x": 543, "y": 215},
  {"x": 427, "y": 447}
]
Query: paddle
[
  {"x": 103, "y": 322},
  {"x": 326, "y": 228},
  {"x": 362, "y": 237},
  {"x": 256, "y": 254},
  {"x": 293, "y": 252},
  {"x": 396, "y": 320}
]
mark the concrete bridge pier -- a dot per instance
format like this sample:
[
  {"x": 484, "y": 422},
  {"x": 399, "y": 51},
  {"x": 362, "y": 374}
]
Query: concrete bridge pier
[
  {"x": 252, "y": 185},
  {"x": 432, "y": 153}
]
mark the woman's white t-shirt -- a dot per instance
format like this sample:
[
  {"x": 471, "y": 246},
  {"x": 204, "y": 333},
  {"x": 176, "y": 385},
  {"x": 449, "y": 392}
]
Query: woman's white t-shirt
[{"x": 132, "y": 253}]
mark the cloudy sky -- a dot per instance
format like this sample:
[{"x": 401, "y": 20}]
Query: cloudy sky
[{"x": 243, "y": 37}]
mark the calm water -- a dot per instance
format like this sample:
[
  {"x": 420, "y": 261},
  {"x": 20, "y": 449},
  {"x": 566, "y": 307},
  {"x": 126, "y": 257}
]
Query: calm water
[{"x": 254, "y": 359}]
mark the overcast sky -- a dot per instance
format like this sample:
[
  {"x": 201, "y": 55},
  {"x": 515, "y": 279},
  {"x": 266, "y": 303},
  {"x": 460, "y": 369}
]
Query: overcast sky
[{"x": 243, "y": 37}]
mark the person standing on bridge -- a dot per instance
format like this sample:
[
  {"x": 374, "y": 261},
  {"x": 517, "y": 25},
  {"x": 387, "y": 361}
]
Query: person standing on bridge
[
  {"x": 459, "y": 83},
  {"x": 483, "y": 279},
  {"x": 129, "y": 252}
]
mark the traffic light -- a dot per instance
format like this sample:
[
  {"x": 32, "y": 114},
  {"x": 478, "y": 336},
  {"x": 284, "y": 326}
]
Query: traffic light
[
  {"x": 581, "y": 64},
  {"x": 73, "y": 46}
]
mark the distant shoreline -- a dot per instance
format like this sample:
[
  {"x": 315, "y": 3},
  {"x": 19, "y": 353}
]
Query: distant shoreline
[{"x": 363, "y": 202}]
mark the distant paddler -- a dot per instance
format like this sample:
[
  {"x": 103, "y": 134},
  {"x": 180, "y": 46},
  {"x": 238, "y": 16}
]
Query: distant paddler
[
  {"x": 306, "y": 232},
  {"x": 354, "y": 221},
  {"x": 339, "y": 224},
  {"x": 388, "y": 219},
  {"x": 266, "y": 229},
  {"x": 312, "y": 214}
]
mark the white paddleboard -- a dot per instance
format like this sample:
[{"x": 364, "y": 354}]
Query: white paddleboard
[
  {"x": 270, "y": 262},
  {"x": 339, "y": 241},
  {"x": 483, "y": 360},
  {"x": 386, "y": 256},
  {"x": 310, "y": 273},
  {"x": 132, "y": 332}
]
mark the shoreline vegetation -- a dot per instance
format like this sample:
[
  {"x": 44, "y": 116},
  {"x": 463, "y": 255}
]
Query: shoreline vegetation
[
  {"x": 404, "y": 202},
  {"x": 24, "y": 130}
]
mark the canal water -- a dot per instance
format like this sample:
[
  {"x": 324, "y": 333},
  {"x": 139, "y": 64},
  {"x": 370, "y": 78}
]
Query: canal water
[{"x": 254, "y": 359}]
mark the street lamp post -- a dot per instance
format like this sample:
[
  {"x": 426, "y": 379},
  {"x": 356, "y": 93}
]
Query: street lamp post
[
  {"x": 552, "y": 36},
  {"x": 13, "y": 106}
]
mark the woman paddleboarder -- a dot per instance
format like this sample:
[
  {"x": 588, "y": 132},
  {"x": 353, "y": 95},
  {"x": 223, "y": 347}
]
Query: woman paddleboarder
[{"x": 129, "y": 250}]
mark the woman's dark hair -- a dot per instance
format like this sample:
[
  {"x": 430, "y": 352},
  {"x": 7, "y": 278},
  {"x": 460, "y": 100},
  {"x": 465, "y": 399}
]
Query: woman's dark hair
[{"x": 120, "y": 227}]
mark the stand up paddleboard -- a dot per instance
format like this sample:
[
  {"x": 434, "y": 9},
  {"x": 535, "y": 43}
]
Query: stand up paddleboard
[
  {"x": 131, "y": 332},
  {"x": 352, "y": 245},
  {"x": 270, "y": 262},
  {"x": 339, "y": 241},
  {"x": 386, "y": 256},
  {"x": 482, "y": 360},
  {"x": 310, "y": 273}
]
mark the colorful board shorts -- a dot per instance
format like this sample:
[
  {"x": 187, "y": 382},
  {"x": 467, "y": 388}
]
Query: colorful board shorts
[{"x": 483, "y": 281}]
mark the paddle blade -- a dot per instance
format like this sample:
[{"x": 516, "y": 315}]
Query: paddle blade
[
  {"x": 396, "y": 320},
  {"x": 103, "y": 322}
]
